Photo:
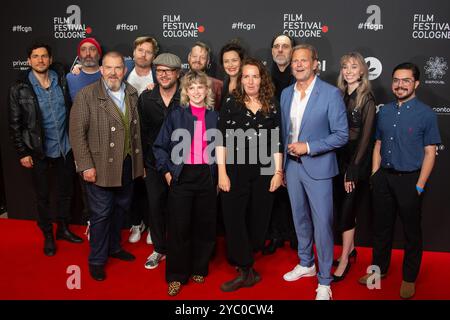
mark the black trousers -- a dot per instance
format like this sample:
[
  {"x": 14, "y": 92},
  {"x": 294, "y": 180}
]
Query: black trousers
[
  {"x": 157, "y": 193},
  {"x": 64, "y": 170},
  {"x": 139, "y": 205},
  {"x": 392, "y": 193},
  {"x": 192, "y": 223},
  {"x": 246, "y": 213},
  {"x": 108, "y": 206},
  {"x": 281, "y": 222}
]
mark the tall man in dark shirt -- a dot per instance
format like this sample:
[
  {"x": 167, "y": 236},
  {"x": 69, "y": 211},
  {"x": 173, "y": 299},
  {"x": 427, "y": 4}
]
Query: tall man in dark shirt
[
  {"x": 403, "y": 158},
  {"x": 281, "y": 224},
  {"x": 38, "y": 124},
  {"x": 154, "y": 106}
]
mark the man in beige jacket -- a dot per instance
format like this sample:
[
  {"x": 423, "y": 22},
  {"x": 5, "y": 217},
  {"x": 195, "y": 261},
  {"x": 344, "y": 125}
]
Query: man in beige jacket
[{"x": 105, "y": 137}]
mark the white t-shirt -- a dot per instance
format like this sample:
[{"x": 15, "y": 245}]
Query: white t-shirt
[{"x": 138, "y": 82}]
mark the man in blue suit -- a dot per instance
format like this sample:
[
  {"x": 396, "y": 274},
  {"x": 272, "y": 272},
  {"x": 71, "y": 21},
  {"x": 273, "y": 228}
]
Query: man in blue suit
[{"x": 314, "y": 124}]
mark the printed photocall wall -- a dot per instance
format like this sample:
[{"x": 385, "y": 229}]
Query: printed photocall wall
[{"x": 385, "y": 32}]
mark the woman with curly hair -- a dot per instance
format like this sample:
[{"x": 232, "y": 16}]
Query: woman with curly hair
[{"x": 249, "y": 162}]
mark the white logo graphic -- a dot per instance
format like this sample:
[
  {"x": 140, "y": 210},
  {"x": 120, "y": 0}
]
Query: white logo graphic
[
  {"x": 74, "y": 280},
  {"x": 70, "y": 27},
  {"x": 126, "y": 27},
  {"x": 375, "y": 67},
  {"x": 243, "y": 26},
  {"x": 374, "y": 281},
  {"x": 442, "y": 110},
  {"x": 296, "y": 26},
  {"x": 425, "y": 26},
  {"x": 373, "y": 22},
  {"x": 174, "y": 27},
  {"x": 436, "y": 67},
  {"x": 20, "y": 28},
  {"x": 20, "y": 65}
]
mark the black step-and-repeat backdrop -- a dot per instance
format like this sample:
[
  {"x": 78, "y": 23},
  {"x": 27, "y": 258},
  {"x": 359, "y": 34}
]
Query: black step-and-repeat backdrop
[{"x": 384, "y": 32}]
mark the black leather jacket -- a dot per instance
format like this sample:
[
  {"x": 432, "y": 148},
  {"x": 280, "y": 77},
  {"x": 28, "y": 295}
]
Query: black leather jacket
[{"x": 25, "y": 119}]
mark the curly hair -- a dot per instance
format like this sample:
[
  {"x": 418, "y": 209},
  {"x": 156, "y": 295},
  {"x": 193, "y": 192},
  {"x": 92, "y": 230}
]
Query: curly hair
[
  {"x": 266, "y": 89},
  {"x": 196, "y": 77}
]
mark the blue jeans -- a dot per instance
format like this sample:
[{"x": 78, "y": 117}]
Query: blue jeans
[{"x": 107, "y": 208}]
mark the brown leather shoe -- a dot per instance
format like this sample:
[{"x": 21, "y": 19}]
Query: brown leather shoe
[
  {"x": 407, "y": 290},
  {"x": 174, "y": 288},
  {"x": 246, "y": 278},
  {"x": 363, "y": 279}
]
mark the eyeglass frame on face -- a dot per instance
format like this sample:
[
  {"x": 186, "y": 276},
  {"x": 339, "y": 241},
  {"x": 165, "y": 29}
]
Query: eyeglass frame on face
[
  {"x": 284, "y": 46},
  {"x": 407, "y": 81},
  {"x": 165, "y": 71}
]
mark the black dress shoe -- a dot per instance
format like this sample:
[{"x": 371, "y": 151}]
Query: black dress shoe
[
  {"x": 273, "y": 245},
  {"x": 97, "y": 272},
  {"x": 123, "y": 255},
  {"x": 49, "y": 244},
  {"x": 342, "y": 277},
  {"x": 63, "y": 233}
]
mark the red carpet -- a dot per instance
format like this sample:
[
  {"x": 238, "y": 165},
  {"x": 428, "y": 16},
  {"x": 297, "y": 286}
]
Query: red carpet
[{"x": 25, "y": 273}]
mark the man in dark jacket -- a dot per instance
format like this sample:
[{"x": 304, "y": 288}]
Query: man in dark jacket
[
  {"x": 154, "y": 106},
  {"x": 38, "y": 123}
]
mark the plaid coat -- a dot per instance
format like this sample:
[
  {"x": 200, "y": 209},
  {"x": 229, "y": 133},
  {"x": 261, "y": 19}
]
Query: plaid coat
[{"x": 97, "y": 134}]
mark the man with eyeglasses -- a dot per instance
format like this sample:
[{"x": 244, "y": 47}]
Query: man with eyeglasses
[
  {"x": 142, "y": 75},
  {"x": 405, "y": 149},
  {"x": 154, "y": 106},
  {"x": 281, "y": 224}
]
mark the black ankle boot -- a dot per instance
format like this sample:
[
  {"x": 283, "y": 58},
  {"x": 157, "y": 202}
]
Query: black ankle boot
[
  {"x": 237, "y": 282},
  {"x": 49, "y": 244},
  {"x": 273, "y": 245},
  {"x": 63, "y": 232}
]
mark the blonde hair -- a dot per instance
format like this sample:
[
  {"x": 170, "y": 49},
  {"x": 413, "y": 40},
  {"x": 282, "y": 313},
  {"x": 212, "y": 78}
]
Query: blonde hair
[
  {"x": 141, "y": 40},
  {"x": 196, "y": 77},
  {"x": 364, "y": 88}
]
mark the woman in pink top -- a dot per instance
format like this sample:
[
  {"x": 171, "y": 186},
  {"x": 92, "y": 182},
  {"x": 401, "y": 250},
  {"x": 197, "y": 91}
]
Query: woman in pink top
[{"x": 182, "y": 157}]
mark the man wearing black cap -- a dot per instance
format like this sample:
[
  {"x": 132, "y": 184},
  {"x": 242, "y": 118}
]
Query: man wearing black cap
[{"x": 153, "y": 108}]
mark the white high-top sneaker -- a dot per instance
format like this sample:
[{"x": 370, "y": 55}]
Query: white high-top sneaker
[{"x": 136, "y": 231}]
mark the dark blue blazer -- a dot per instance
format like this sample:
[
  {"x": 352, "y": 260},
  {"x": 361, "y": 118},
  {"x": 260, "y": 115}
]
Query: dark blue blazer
[{"x": 181, "y": 117}]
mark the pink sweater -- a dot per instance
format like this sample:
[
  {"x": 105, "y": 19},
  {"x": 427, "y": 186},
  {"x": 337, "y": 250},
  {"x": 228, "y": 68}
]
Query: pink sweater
[{"x": 198, "y": 144}]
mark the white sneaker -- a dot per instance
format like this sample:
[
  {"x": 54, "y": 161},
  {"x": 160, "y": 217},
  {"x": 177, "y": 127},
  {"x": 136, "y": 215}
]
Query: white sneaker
[
  {"x": 149, "y": 238},
  {"x": 136, "y": 231},
  {"x": 323, "y": 293},
  {"x": 153, "y": 260},
  {"x": 300, "y": 272}
]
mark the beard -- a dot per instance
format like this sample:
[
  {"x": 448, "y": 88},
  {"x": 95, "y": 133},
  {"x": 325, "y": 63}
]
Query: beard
[
  {"x": 403, "y": 94},
  {"x": 142, "y": 63},
  {"x": 89, "y": 62},
  {"x": 113, "y": 83},
  {"x": 281, "y": 60}
]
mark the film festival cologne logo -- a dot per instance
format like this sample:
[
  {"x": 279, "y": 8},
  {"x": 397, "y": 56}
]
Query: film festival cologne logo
[
  {"x": 429, "y": 26},
  {"x": 297, "y": 25},
  {"x": 70, "y": 26},
  {"x": 174, "y": 26}
]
